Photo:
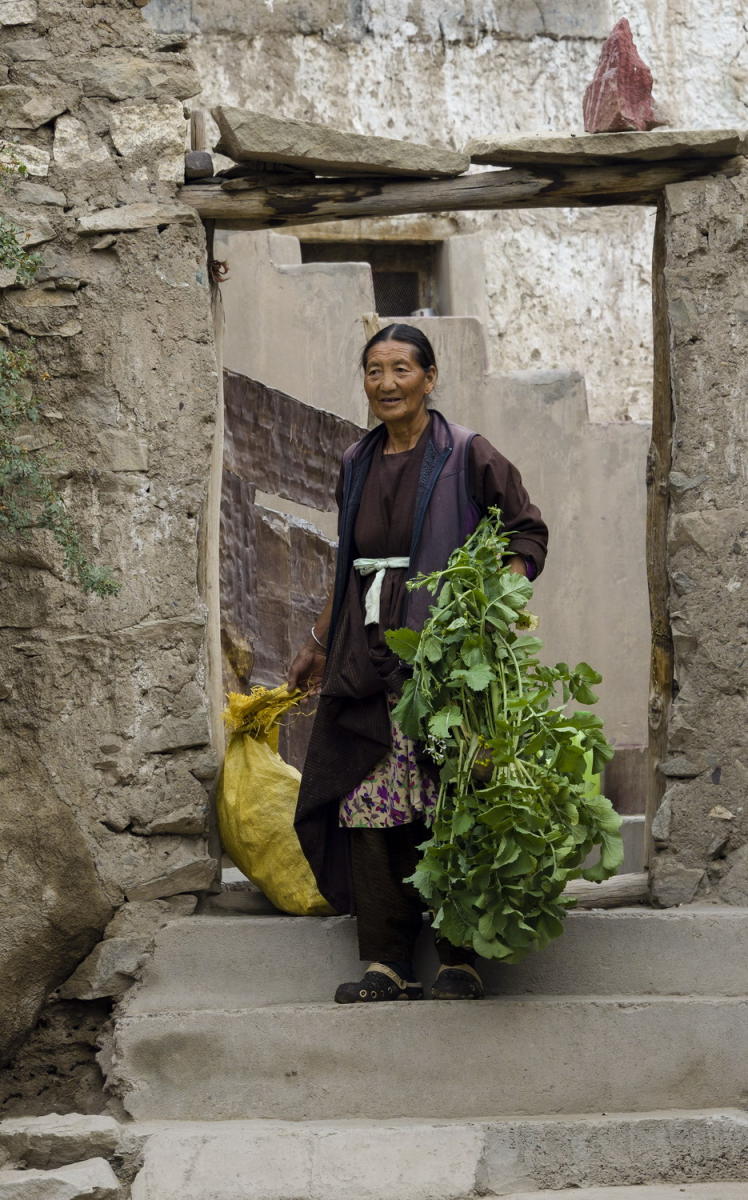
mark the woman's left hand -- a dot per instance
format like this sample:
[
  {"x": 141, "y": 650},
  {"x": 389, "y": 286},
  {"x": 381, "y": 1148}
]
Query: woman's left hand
[{"x": 517, "y": 565}]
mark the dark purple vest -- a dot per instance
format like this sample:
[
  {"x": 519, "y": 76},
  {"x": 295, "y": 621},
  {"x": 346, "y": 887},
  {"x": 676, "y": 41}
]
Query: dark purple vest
[{"x": 445, "y": 513}]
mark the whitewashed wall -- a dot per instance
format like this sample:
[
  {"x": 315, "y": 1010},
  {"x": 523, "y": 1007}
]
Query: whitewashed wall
[{"x": 565, "y": 289}]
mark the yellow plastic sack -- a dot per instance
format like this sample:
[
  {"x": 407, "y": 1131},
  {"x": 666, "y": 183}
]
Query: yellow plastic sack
[{"x": 256, "y": 802}]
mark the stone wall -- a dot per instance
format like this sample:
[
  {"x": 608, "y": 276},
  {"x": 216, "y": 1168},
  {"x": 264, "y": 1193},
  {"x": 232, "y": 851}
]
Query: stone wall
[
  {"x": 456, "y": 71},
  {"x": 701, "y": 829},
  {"x": 103, "y": 720},
  {"x": 103, "y": 712}
]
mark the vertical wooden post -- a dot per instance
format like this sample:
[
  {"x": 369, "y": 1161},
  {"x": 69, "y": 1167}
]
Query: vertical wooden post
[
  {"x": 211, "y": 532},
  {"x": 198, "y": 129},
  {"x": 658, "y": 482},
  {"x": 210, "y": 543}
]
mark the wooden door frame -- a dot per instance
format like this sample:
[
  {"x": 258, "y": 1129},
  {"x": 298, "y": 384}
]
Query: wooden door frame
[{"x": 641, "y": 184}]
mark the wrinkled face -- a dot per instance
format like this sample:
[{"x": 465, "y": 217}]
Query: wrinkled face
[{"x": 395, "y": 383}]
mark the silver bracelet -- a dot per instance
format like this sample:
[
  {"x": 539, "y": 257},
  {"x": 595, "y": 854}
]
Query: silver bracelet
[{"x": 322, "y": 647}]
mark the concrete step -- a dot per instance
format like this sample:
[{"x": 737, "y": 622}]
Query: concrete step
[
  {"x": 417, "y": 1160},
  {"x": 695, "y": 1191},
  {"x": 529, "y": 1055},
  {"x": 235, "y": 962},
  {"x": 237, "y": 894}
]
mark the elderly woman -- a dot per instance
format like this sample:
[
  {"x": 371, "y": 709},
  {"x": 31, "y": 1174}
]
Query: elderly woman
[{"x": 410, "y": 491}]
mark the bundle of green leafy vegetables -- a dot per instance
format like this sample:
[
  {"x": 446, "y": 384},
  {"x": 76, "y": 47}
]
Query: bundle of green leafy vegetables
[{"x": 518, "y": 810}]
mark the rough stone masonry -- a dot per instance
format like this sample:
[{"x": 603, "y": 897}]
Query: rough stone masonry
[
  {"x": 103, "y": 716},
  {"x": 701, "y": 828}
]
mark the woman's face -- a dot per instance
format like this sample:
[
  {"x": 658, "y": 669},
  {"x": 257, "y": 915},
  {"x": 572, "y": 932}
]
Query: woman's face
[{"x": 396, "y": 384}]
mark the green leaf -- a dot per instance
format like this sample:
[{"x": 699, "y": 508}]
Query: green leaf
[
  {"x": 496, "y": 817},
  {"x": 584, "y": 720},
  {"x": 411, "y": 710},
  {"x": 500, "y": 613},
  {"x": 598, "y": 808},
  {"x": 523, "y": 864},
  {"x": 451, "y": 926},
  {"x": 432, "y": 648},
  {"x": 485, "y": 926},
  {"x": 490, "y": 948},
  {"x": 527, "y": 643},
  {"x": 478, "y": 677},
  {"x": 601, "y": 754},
  {"x": 457, "y": 625},
  {"x": 462, "y": 822},
  {"x": 442, "y": 721},
  {"x": 587, "y": 673},
  {"x": 403, "y": 642},
  {"x": 571, "y": 761}
]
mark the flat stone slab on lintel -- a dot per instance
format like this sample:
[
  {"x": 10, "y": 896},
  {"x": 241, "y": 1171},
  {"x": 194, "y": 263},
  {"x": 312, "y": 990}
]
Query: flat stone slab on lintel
[
  {"x": 256, "y": 137},
  {"x": 589, "y": 149}
]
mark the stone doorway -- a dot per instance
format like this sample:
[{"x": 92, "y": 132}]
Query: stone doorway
[{"x": 285, "y": 496}]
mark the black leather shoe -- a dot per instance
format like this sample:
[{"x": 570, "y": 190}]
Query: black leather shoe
[
  {"x": 379, "y": 983},
  {"x": 461, "y": 982}
]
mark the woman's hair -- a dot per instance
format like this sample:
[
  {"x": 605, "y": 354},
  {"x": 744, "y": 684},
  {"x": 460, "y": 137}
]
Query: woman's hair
[{"x": 424, "y": 351}]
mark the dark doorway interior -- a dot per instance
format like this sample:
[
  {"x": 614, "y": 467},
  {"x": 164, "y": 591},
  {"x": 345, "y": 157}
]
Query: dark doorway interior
[{"x": 403, "y": 272}]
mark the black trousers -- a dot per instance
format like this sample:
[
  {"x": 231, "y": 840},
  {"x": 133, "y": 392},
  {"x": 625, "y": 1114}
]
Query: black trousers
[{"x": 390, "y": 911}]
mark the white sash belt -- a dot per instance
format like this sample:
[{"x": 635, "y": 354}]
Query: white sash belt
[{"x": 376, "y": 566}]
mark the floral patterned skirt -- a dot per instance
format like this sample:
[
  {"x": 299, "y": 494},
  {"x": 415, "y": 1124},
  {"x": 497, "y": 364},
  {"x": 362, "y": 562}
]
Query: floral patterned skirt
[{"x": 396, "y": 792}]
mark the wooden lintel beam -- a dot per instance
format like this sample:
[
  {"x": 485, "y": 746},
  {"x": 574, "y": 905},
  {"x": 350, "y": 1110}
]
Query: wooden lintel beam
[
  {"x": 525, "y": 187},
  {"x": 617, "y": 892}
]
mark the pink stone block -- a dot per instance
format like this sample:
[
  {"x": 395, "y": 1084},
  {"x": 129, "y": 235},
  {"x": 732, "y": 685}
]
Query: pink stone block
[{"x": 620, "y": 95}]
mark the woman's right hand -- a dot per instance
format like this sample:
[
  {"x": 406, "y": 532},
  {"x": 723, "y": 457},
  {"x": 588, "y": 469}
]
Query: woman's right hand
[{"x": 307, "y": 669}]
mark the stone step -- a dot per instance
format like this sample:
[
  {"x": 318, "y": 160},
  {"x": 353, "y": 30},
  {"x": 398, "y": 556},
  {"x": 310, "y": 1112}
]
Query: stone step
[
  {"x": 237, "y": 894},
  {"x": 92, "y": 1179},
  {"x": 529, "y": 1055},
  {"x": 671, "y": 1191},
  {"x": 417, "y": 1160},
  {"x": 235, "y": 962}
]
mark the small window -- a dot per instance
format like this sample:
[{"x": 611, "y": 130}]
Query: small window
[
  {"x": 396, "y": 293},
  {"x": 402, "y": 272}
]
